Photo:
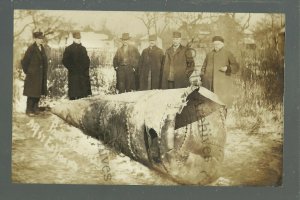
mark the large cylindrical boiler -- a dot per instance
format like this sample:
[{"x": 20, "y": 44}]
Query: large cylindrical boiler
[{"x": 179, "y": 132}]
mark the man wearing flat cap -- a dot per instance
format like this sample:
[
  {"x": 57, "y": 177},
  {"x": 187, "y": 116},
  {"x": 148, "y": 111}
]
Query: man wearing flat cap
[
  {"x": 77, "y": 61},
  {"x": 217, "y": 69},
  {"x": 125, "y": 63},
  {"x": 150, "y": 66},
  {"x": 35, "y": 66},
  {"x": 176, "y": 72}
]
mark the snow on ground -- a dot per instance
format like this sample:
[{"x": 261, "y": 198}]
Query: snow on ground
[
  {"x": 20, "y": 104},
  {"x": 47, "y": 150}
]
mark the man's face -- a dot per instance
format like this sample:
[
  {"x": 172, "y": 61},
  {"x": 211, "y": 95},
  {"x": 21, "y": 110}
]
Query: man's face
[
  {"x": 39, "y": 41},
  {"x": 176, "y": 42},
  {"x": 77, "y": 40},
  {"x": 125, "y": 42},
  {"x": 218, "y": 45},
  {"x": 152, "y": 43}
]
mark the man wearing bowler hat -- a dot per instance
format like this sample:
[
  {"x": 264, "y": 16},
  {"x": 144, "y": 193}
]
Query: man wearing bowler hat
[
  {"x": 176, "y": 70},
  {"x": 35, "y": 66},
  {"x": 217, "y": 69},
  {"x": 77, "y": 61},
  {"x": 150, "y": 66},
  {"x": 125, "y": 63}
]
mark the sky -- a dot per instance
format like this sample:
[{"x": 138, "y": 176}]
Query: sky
[
  {"x": 121, "y": 21},
  {"x": 117, "y": 21}
]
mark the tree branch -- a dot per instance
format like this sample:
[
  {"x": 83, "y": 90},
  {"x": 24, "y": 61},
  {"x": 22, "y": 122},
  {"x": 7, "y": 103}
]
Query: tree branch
[
  {"x": 247, "y": 23},
  {"x": 21, "y": 31}
]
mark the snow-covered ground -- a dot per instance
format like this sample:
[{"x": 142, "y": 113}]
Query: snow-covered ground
[{"x": 48, "y": 150}]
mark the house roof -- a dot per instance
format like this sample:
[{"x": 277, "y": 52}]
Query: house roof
[
  {"x": 146, "y": 37},
  {"x": 88, "y": 39}
]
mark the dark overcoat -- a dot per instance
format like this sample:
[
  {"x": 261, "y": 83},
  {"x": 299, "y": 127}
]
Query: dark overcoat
[
  {"x": 35, "y": 66},
  {"x": 151, "y": 62},
  {"x": 178, "y": 60},
  {"x": 126, "y": 70},
  {"x": 219, "y": 82},
  {"x": 76, "y": 60}
]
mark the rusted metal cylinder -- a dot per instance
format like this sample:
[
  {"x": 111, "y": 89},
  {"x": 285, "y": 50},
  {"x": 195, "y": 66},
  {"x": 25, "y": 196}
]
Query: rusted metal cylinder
[{"x": 179, "y": 132}]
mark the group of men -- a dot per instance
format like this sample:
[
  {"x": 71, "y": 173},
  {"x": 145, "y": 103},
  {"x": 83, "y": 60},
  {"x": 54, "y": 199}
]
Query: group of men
[{"x": 152, "y": 69}]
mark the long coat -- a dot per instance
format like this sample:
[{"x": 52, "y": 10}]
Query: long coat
[
  {"x": 35, "y": 66},
  {"x": 181, "y": 71},
  {"x": 126, "y": 68},
  {"x": 76, "y": 60},
  {"x": 219, "y": 82},
  {"x": 151, "y": 62}
]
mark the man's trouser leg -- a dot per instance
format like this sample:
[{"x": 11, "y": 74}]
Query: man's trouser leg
[
  {"x": 121, "y": 75},
  {"x": 130, "y": 79},
  {"x": 171, "y": 85},
  {"x": 29, "y": 105},
  {"x": 36, "y": 105},
  {"x": 32, "y": 104}
]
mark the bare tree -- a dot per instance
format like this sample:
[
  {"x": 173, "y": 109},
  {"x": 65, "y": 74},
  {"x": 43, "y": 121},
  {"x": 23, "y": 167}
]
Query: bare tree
[
  {"x": 190, "y": 22},
  {"x": 266, "y": 31},
  {"x": 161, "y": 22},
  {"x": 156, "y": 22},
  {"x": 243, "y": 21},
  {"x": 148, "y": 19},
  {"x": 26, "y": 22},
  {"x": 52, "y": 26}
]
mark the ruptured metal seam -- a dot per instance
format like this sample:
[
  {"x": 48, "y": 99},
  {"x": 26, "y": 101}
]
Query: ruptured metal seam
[{"x": 129, "y": 139}]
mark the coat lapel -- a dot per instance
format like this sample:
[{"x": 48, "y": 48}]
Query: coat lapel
[
  {"x": 38, "y": 51},
  {"x": 149, "y": 50},
  {"x": 172, "y": 53},
  {"x": 178, "y": 50}
]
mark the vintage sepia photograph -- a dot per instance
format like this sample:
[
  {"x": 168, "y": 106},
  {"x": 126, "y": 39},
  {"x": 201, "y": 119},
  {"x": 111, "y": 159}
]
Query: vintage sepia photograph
[{"x": 148, "y": 98}]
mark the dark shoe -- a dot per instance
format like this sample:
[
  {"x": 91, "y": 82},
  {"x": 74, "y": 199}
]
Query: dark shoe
[{"x": 38, "y": 109}]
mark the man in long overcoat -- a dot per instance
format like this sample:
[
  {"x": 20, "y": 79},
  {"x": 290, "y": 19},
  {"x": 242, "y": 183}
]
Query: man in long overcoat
[
  {"x": 217, "y": 69},
  {"x": 150, "y": 66},
  {"x": 176, "y": 70},
  {"x": 35, "y": 66},
  {"x": 77, "y": 61},
  {"x": 125, "y": 63}
]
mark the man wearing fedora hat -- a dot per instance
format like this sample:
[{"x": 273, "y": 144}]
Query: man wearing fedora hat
[
  {"x": 150, "y": 66},
  {"x": 125, "y": 63},
  {"x": 35, "y": 66},
  {"x": 217, "y": 69},
  {"x": 77, "y": 61},
  {"x": 176, "y": 72}
]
